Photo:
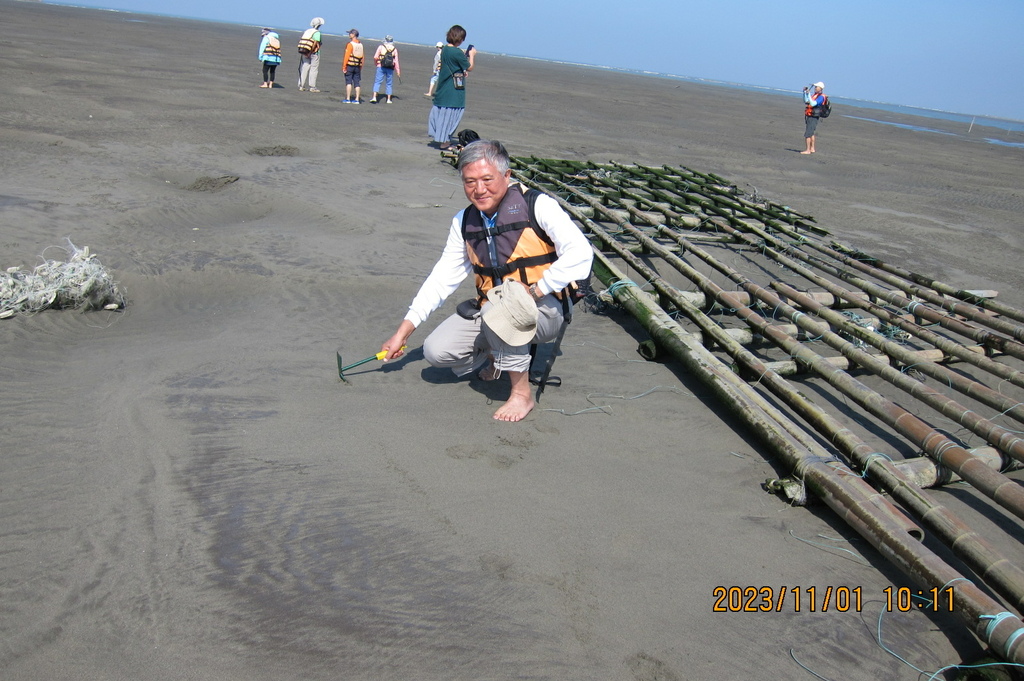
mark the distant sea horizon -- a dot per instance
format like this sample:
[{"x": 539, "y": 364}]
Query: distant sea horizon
[{"x": 1013, "y": 129}]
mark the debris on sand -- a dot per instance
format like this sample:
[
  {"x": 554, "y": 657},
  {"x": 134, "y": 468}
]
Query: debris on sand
[{"x": 81, "y": 282}]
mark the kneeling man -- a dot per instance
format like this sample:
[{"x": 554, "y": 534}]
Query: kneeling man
[{"x": 525, "y": 251}]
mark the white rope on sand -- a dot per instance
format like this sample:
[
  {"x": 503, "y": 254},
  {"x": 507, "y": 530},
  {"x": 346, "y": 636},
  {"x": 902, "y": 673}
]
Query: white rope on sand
[{"x": 81, "y": 283}]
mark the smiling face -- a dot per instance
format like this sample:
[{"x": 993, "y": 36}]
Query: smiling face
[{"x": 484, "y": 185}]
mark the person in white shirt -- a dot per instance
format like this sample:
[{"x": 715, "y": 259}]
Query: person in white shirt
[{"x": 503, "y": 241}]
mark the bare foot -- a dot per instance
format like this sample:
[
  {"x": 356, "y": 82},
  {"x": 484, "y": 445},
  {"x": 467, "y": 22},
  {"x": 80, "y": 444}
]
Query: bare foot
[
  {"x": 516, "y": 409},
  {"x": 806, "y": 152}
]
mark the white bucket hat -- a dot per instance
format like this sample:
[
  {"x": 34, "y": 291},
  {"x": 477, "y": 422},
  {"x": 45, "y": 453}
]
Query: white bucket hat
[
  {"x": 316, "y": 23},
  {"x": 512, "y": 313}
]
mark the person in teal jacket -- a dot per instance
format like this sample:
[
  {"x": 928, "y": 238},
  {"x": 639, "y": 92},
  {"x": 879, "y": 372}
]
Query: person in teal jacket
[
  {"x": 450, "y": 95},
  {"x": 270, "y": 54}
]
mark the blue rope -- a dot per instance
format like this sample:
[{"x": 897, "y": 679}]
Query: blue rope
[{"x": 995, "y": 621}]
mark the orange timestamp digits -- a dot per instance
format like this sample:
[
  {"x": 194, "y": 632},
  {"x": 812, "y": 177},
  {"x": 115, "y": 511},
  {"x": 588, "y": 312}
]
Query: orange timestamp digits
[{"x": 786, "y": 598}]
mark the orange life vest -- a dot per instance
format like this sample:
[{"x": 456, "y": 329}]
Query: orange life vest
[
  {"x": 811, "y": 106},
  {"x": 355, "y": 57},
  {"x": 307, "y": 45},
  {"x": 273, "y": 48},
  {"x": 523, "y": 249}
]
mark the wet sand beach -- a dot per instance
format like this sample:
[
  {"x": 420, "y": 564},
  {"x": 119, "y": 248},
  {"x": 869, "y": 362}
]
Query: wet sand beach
[{"x": 189, "y": 491}]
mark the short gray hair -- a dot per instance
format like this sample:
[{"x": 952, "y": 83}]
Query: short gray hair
[{"x": 492, "y": 151}]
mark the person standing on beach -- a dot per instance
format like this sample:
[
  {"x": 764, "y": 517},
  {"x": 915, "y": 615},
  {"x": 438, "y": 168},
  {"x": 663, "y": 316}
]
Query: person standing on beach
[
  {"x": 309, "y": 55},
  {"x": 352, "y": 65},
  {"x": 437, "y": 70},
  {"x": 450, "y": 97},
  {"x": 538, "y": 248},
  {"x": 386, "y": 61},
  {"x": 270, "y": 54},
  {"x": 813, "y": 100}
]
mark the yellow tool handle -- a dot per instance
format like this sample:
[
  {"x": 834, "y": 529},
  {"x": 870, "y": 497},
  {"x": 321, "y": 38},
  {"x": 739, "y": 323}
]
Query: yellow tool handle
[{"x": 384, "y": 353}]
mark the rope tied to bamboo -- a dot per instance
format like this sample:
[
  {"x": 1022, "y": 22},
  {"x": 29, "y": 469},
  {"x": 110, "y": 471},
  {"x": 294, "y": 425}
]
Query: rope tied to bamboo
[
  {"x": 994, "y": 622},
  {"x": 943, "y": 448},
  {"x": 621, "y": 284},
  {"x": 870, "y": 459}
]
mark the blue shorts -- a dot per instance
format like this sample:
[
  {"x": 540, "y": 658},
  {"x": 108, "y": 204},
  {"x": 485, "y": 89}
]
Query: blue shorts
[{"x": 353, "y": 75}]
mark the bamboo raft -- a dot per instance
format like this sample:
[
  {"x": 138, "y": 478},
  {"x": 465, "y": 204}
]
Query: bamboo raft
[{"x": 683, "y": 252}]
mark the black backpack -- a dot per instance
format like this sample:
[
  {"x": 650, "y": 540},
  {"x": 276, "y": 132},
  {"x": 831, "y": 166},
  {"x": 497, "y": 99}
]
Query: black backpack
[
  {"x": 387, "y": 60},
  {"x": 466, "y": 136},
  {"x": 825, "y": 110}
]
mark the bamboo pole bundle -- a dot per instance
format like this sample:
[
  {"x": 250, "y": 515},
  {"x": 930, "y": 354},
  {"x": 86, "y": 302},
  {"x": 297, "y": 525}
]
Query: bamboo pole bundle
[
  {"x": 948, "y": 453},
  {"x": 1006, "y": 440},
  {"x": 847, "y": 494},
  {"x": 987, "y": 619},
  {"x": 789, "y": 367},
  {"x": 977, "y": 552},
  {"x": 958, "y": 382},
  {"x": 986, "y": 338},
  {"x": 974, "y": 355},
  {"x": 965, "y": 310},
  {"x": 722, "y": 198},
  {"x": 982, "y": 300}
]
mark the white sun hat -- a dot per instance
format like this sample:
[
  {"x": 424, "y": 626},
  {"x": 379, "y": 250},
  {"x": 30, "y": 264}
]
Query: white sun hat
[{"x": 512, "y": 313}]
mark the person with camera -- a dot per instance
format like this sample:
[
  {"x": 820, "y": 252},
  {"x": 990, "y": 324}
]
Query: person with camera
[
  {"x": 814, "y": 99},
  {"x": 450, "y": 95}
]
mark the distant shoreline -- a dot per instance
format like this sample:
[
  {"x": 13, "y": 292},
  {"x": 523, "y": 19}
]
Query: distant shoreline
[{"x": 1005, "y": 124}]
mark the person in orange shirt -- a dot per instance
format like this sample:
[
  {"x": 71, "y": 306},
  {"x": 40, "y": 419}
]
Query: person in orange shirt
[{"x": 352, "y": 64}]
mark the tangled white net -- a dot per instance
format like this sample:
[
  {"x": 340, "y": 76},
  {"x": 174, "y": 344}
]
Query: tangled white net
[{"x": 80, "y": 282}]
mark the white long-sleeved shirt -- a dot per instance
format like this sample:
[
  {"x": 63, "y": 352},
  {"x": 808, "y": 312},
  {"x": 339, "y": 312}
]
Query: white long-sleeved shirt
[{"x": 572, "y": 248}]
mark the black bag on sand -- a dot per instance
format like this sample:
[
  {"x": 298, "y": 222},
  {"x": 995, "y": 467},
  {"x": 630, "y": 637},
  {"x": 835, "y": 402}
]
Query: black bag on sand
[{"x": 466, "y": 136}]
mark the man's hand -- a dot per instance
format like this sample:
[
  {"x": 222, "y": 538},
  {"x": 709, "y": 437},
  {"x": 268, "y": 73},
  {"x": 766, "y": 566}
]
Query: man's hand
[{"x": 393, "y": 346}]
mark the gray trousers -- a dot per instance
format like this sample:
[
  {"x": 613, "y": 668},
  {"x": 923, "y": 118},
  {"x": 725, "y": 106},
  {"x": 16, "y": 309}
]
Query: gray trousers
[
  {"x": 309, "y": 67},
  {"x": 465, "y": 345}
]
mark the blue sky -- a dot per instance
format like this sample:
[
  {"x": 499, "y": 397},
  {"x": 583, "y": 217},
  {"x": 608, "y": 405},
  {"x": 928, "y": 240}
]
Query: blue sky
[{"x": 936, "y": 54}]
